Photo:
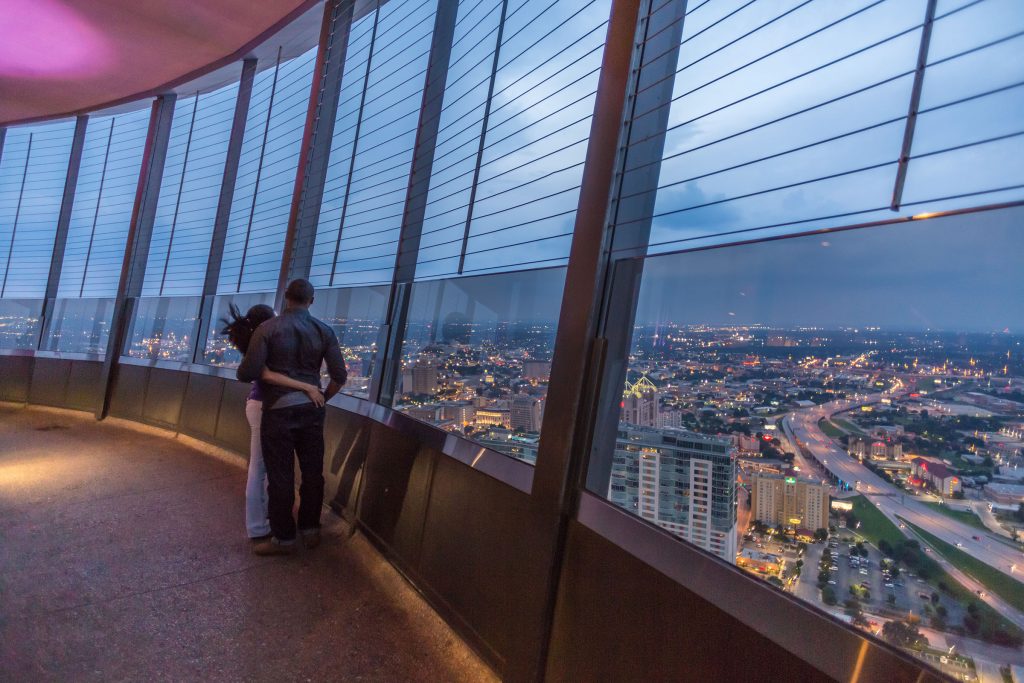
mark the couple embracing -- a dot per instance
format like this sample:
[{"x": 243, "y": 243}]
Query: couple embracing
[{"x": 285, "y": 409}]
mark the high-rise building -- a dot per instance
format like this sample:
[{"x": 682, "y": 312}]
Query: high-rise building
[
  {"x": 424, "y": 377},
  {"x": 527, "y": 413},
  {"x": 789, "y": 501},
  {"x": 682, "y": 481},
  {"x": 640, "y": 403}
]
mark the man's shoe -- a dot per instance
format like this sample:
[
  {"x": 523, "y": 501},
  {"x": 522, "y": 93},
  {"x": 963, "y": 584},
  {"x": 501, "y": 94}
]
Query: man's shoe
[
  {"x": 272, "y": 546},
  {"x": 310, "y": 538}
]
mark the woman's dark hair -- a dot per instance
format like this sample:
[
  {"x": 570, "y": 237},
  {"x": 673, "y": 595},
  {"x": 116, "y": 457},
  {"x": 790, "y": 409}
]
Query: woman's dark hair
[{"x": 240, "y": 328}]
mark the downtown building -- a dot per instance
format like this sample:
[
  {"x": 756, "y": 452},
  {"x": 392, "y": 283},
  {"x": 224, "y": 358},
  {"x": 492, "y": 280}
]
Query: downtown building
[
  {"x": 789, "y": 501},
  {"x": 682, "y": 481}
]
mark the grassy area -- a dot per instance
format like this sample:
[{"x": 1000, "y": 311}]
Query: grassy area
[
  {"x": 1007, "y": 588},
  {"x": 830, "y": 429},
  {"x": 849, "y": 426},
  {"x": 874, "y": 526},
  {"x": 965, "y": 516}
]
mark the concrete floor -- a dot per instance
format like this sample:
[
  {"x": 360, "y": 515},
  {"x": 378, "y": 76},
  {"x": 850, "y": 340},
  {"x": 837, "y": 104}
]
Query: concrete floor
[{"x": 123, "y": 557}]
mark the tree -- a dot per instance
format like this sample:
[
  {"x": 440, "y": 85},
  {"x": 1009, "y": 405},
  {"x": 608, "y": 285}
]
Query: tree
[
  {"x": 885, "y": 547},
  {"x": 821, "y": 535},
  {"x": 901, "y": 634},
  {"x": 828, "y": 595}
]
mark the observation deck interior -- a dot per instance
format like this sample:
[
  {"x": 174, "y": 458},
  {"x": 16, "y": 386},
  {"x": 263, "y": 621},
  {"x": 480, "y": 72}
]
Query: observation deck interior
[
  {"x": 684, "y": 338},
  {"x": 124, "y": 559}
]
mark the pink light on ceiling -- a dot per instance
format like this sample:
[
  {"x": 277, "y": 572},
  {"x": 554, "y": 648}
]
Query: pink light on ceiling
[{"x": 48, "y": 39}]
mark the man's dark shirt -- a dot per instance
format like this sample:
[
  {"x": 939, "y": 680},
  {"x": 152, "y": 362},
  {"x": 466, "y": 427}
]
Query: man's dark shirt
[{"x": 294, "y": 344}]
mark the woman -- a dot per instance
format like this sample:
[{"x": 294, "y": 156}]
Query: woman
[{"x": 239, "y": 331}]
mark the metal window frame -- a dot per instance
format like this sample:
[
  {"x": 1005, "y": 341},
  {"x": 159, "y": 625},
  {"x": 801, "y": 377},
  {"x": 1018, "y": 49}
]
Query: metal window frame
[
  {"x": 388, "y": 361},
  {"x": 223, "y": 215},
  {"x": 315, "y": 152}
]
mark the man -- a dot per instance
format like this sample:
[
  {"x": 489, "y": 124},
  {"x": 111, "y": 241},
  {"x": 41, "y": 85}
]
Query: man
[{"x": 295, "y": 344}]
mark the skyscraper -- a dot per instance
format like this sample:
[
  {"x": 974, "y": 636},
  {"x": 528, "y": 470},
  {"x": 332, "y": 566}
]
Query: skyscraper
[
  {"x": 640, "y": 403},
  {"x": 682, "y": 481}
]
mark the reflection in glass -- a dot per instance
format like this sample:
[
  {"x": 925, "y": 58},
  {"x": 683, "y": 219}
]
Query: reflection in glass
[
  {"x": 80, "y": 326},
  {"x": 356, "y": 315},
  {"x": 164, "y": 328},
  {"x": 834, "y": 413},
  {"x": 477, "y": 356},
  {"x": 217, "y": 350},
  {"x": 19, "y": 323}
]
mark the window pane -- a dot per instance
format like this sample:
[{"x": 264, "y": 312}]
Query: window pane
[
  {"x": 217, "y": 350},
  {"x": 356, "y": 314},
  {"x": 19, "y": 323},
  {"x": 477, "y": 356},
  {"x": 163, "y": 328},
  {"x": 536, "y": 139},
  {"x": 369, "y": 202},
  {"x": 33, "y": 170},
  {"x": 860, "y": 386},
  {"x": 80, "y": 325},
  {"x": 266, "y": 176},
  {"x": 787, "y": 116},
  {"x": 104, "y": 198},
  {"x": 189, "y": 193}
]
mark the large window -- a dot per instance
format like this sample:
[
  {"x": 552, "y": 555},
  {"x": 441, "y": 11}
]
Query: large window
[
  {"x": 357, "y": 315},
  {"x": 819, "y": 381},
  {"x": 165, "y": 318},
  {"x": 104, "y": 197},
  {"x": 508, "y": 201},
  {"x": 477, "y": 356},
  {"x": 266, "y": 176},
  {"x": 189, "y": 192},
  {"x": 857, "y": 387},
  {"x": 372, "y": 147},
  {"x": 33, "y": 167}
]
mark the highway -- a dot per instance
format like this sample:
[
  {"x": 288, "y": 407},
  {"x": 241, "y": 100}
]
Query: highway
[{"x": 801, "y": 426}]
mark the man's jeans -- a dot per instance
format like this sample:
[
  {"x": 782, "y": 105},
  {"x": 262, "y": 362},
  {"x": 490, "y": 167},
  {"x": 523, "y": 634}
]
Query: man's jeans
[{"x": 299, "y": 430}]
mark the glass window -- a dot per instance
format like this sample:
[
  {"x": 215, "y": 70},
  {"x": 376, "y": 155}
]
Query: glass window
[
  {"x": 80, "y": 325},
  {"x": 829, "y": 411},
  {"x": 189, "y": 193},
  {"x": 104, "y": 198},
  {"x": 357, "y": 315},
  {"x": 217, "y": 350},
  {"x": 535, "y": 143},
  {"x": 266, "y": 176},
  {"x": 33, "y": 170},
  {"x": 163, "y": 328},
  {"x": 372, "y": 147},
  {"x": 477, "y": 356},
  {"x": 19, "y": 323}
]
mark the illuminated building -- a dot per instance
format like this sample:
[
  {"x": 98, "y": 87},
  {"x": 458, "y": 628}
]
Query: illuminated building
[
  {"x": 789, "y": 501},
  {"x": 640, "y": 403},
  {"x": 935, "y": 475}
]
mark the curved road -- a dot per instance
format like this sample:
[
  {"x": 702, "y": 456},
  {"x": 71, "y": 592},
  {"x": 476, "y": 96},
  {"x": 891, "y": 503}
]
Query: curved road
[{"x": 802, "y": 427}]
